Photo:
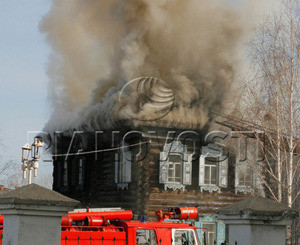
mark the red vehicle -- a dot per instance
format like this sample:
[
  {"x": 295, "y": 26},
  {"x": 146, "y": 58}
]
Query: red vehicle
[{"x": 118, "y": 228}]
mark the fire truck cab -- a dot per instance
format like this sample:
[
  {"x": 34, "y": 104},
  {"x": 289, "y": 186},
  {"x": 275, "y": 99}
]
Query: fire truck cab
[{"x": 152, "y": 233}]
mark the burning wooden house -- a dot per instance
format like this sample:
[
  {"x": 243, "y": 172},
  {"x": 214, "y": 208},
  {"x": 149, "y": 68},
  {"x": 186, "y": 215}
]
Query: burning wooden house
[{"x": 146, "y": 168}]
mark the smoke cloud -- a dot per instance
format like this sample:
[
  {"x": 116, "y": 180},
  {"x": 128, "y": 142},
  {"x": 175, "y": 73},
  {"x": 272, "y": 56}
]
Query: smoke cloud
[{"x": 193, "y": 46}]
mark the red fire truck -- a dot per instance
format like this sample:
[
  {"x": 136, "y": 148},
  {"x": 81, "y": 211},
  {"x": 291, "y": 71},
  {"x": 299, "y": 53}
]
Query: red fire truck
[{"x": 118, "y": 228}]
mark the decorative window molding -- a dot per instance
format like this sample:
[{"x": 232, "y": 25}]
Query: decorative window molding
[
  {"x": 221, "y": 230},
  {"x": 174, "y": 186},
  {"x": 175, "y": 147},
  {"x": 208, "y": 219},
  {"x": 244, "y": 189},
  {"x": 210, "y": 189},
  {"x": 122, "y": 186},
  {"x": 123, "y": 169},
  {"x": 213, "y": 169},
  {"x": 175, "y": 166}
]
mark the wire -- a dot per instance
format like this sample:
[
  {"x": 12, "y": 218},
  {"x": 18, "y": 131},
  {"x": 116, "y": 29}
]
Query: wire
[
  {"x": 103, "y": 150},
  {"x": 88, "y": 152}
]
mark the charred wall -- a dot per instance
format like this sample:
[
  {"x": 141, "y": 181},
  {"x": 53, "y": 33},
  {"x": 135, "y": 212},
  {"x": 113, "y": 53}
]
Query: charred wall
[{"x": 144, "y": 194}]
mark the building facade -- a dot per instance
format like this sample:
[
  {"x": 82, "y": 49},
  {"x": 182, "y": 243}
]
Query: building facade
[{"x": 145, "y": 170}]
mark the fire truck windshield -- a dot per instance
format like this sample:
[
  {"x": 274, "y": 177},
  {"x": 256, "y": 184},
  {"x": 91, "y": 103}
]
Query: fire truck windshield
[
  {"x": 183, "y": 237},
  {"x": 145, "y": 237}
]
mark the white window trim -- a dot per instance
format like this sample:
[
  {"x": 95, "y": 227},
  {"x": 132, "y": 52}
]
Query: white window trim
[
  {"x": 222, "y": 169},
  {"x": 175, "y": 147}
]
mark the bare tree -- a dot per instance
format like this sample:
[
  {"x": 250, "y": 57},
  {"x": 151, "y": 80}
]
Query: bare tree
[
  {"x": 270, "y": 101},
  {"x": 11, "y": 176}
]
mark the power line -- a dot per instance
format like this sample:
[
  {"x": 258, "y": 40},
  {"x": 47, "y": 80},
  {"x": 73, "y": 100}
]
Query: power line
[{"x": 89, "y": 152}]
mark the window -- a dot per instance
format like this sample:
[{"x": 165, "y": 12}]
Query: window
[
  {"x": 58, "y": 171},
  {"x": 183, "y": 237},
  {"x": 210, "y": 171},
  {"x": 123, "y": 169},
  {"x": 244, "y": 178},
  {"x": 247, "y": 166},
  {"x": 146, "y": 237},
  {"x": 73, "y": 170},
  {"x": 80, "y": 172},
  {"x": 65, "y": 174},
  {"x": 209, "y": 235},
  {"x": 213, "y": 169},
  {"x": 215, "y": 233},
  {"x": 175, "y": 166}
]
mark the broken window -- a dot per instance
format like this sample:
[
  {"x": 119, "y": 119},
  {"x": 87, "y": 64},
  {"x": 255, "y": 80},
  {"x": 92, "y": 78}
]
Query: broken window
[
  {"x": 65, "y": 174},
  {"x": 80, "y": 172},
  {"x": 123, "y": 168}
]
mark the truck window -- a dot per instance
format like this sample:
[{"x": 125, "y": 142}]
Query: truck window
[
  {"x": 146, "y": 237},
  {"x": 184, "y": 237}
]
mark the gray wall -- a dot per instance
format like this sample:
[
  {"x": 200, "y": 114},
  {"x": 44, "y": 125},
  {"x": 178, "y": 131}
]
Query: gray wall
[
  {"x": 256, "y": 234},
  {"x": 37, "y": 231}
]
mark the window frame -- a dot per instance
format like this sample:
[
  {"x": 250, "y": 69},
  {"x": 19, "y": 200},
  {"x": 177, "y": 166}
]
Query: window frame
[
  {"x": 213, "y": 151},
  {"x": 65, "y": 174},
  {"x": 210, "y": 166},
  {"x": 79, "y": 173},
  {"x": 209, "y": 232},
  {"x": 123, "y": 168},
  {"x": 174, "y": 169},
  {"x": 192, "y": 230},
  {"x": 148, "y": 229},
  {"x": 175, "y": 148},
  {"x": 240, "y": 187}
]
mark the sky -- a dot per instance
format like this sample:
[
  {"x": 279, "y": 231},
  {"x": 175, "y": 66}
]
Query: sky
[{"x": 23, "y": 80}]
